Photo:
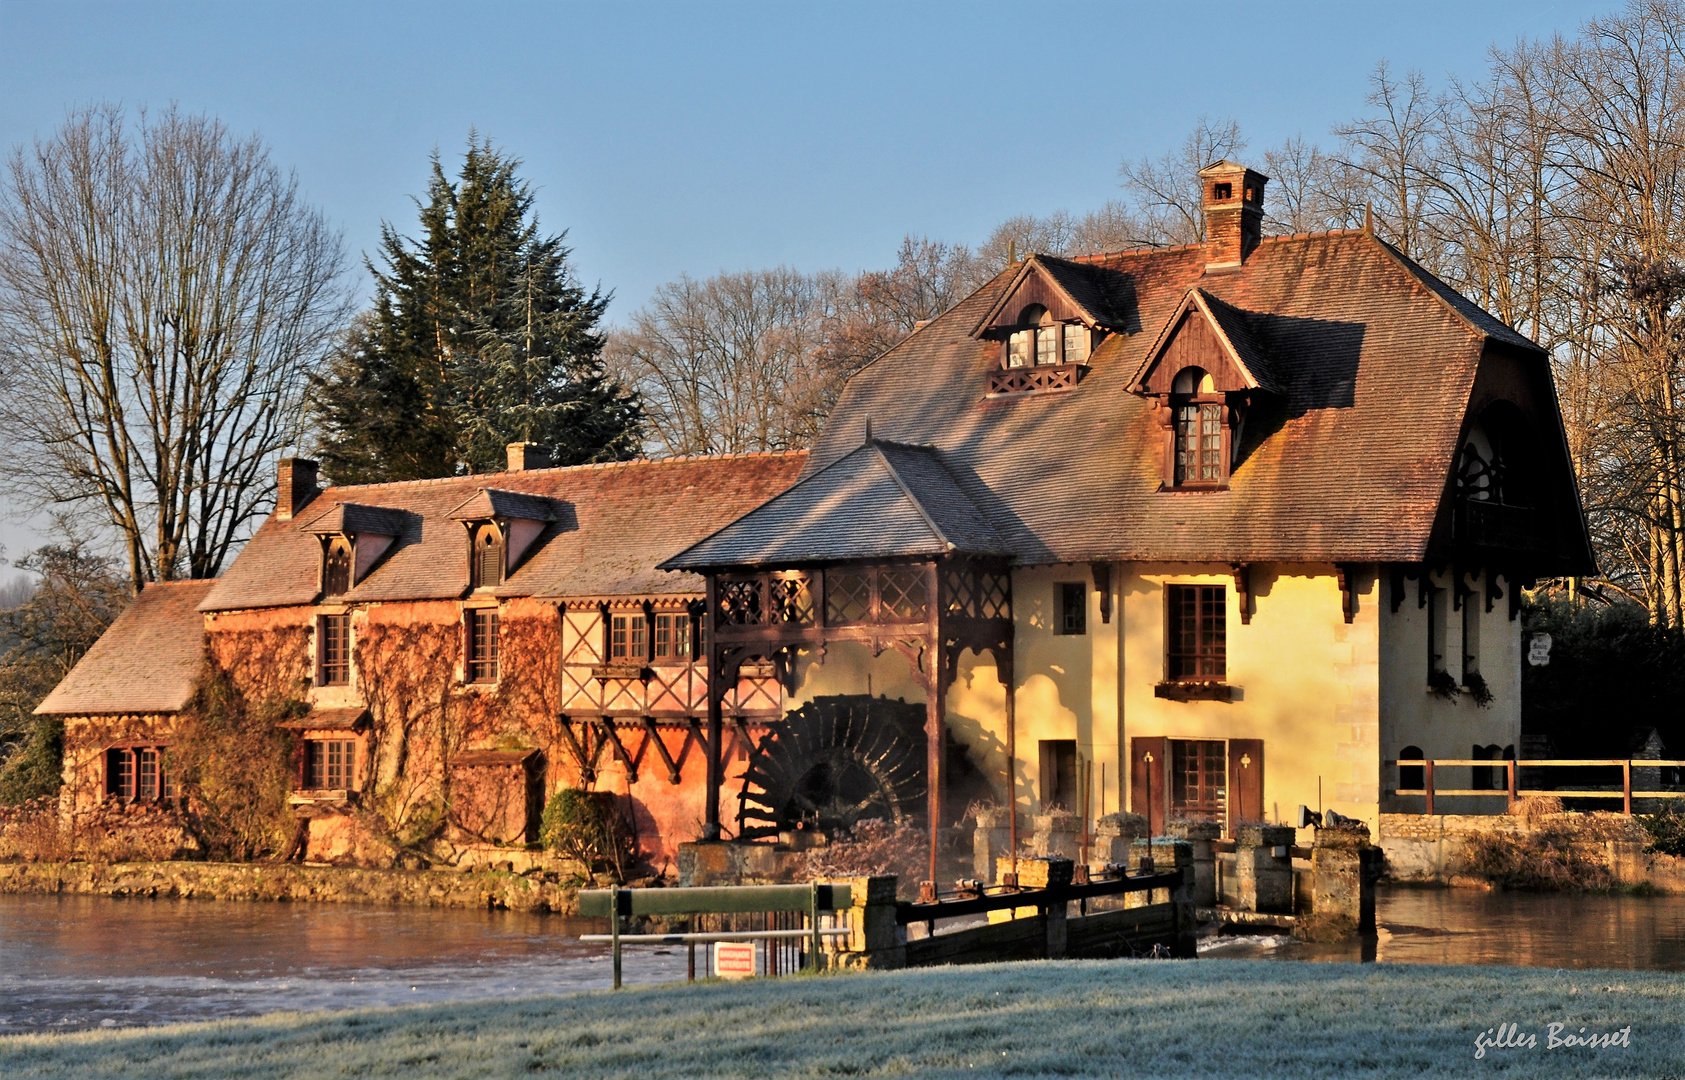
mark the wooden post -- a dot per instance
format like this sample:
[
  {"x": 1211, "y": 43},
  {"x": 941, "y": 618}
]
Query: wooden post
[
  {"x": 614, "y": 929},
  {"x": 935, "y": 708},
  {"x": 1510, "y": 768},
  {"x": 711, "y": 799},
  {"x": 813, "y": 922},
  {"x": 1427, "y": 784},
  {"x": 1626, "y": 787},
  {"x": 1004, "y": 667}
]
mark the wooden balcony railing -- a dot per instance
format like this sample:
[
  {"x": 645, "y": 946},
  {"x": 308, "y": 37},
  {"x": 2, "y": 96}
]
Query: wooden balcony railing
[{"x": 1511, "y": 790}]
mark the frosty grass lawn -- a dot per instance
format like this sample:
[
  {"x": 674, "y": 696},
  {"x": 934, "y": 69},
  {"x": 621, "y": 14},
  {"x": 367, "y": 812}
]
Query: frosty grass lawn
[{"x": 1075, "y": 1018}]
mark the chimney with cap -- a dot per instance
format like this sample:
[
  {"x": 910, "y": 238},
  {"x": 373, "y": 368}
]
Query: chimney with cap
[
  {"x": 527, "y": 455},
  {"x": 295, "y": 487},
  {"x": 1233, "y": 201}
]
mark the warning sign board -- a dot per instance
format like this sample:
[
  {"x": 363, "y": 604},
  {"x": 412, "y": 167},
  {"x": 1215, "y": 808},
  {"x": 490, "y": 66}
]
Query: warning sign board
[{"x": 734, "y": 959}]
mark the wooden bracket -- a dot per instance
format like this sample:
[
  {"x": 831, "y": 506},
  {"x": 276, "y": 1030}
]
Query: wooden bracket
[
  {"x": 1493, "y": 592},
  {"x": 1102, "y": 572},
  {"x": 606, "y": 727},
  {"x": 1243, "y": 590},
  {"x": 1424, "y": 587},
  {"x": 651, "y": 734},
  {"x": 1396, "y": 580},
  {"x": 1348, "y": 597},
  {"x": 1513, "y": 580},
  {"x": 699, "y": 735},
  {"x": 649, "y": 632},
  {"x": 608, "y": 633},
  {"x": 587, "y": 762}
]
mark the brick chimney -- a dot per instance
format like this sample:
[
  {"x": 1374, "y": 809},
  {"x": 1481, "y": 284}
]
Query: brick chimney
[
  {"x": 527, "y": 455},
  {"x": 296, "y": 487},
  {"x": 1234, "y": 213}
]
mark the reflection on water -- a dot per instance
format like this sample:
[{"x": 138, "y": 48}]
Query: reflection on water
[
  {"x": 83, "y": 961},
  {"x": 1471, "y": 926},
  {"x": 87, "y": 961}
]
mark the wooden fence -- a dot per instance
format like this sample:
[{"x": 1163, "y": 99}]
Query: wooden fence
[{"x": 1511, "y": 790}]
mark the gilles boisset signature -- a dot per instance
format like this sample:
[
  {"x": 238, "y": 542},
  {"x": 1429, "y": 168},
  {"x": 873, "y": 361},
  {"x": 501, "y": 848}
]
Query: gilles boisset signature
[{"x": 1511, "y": 1037}]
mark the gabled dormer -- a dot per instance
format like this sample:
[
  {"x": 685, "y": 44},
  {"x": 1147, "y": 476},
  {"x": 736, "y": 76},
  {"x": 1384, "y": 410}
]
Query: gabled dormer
[
  {"x": 1047, "y": 322},
  {"x": 354, "y": 538},
  {"x": 502, "y": 527},
  {"x": 1204, "y": 372}
]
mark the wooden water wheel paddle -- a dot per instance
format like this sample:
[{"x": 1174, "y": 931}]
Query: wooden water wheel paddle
[{"x": 834, "y": 762}]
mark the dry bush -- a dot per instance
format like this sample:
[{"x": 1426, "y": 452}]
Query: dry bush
[
  {"x": 875, "y": 847},
  {"x": 32, "y": 832},
  {"x": 235, "y": 768},
  {"x": 1536, "y": 807},
  {"x": 1556, "y": 851}
]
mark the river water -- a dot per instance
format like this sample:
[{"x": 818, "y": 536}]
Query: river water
[{"x": 77, "y": 962}]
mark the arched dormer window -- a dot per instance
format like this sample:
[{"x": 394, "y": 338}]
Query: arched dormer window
[
  {"x": 487, "y": 568},
  {"x": 1201, "y": 431},
  {"x": 1042, "y": 342},
  {"x": 336, "y": 573}
]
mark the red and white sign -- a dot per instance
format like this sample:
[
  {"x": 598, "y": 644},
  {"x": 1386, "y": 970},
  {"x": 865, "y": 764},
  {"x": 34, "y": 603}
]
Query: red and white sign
[{"x": 734, "y": 959}]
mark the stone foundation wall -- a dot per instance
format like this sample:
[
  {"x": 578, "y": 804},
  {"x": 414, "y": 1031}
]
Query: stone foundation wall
[
  {"x": 1428, "y": 848},
  {"x": 253, "y": 881}
]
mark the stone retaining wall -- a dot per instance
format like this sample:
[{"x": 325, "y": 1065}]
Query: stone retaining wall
[
  {"x": 287, "y": 881},
  {"x": 1427, "y": 848}
]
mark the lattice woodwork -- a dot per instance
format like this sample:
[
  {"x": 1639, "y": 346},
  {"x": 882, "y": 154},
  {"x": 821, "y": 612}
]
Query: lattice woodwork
[
  {"x": 903, "y": 594},
  {"x": 848, "y": 597},
  {"x": 791, "y": 599},
  {"x": 1037, "y": 379},
  {"x": 739, "y": 601}
]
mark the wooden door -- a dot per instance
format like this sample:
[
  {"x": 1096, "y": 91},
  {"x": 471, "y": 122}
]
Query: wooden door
[
  {"x": 1246, "y": 781},
  {"x": 1148, "y": 773}
]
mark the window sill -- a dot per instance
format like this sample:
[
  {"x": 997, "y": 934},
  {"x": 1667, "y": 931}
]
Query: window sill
[
  {"x": 1195, "y": 691},
  {"x": 605, "y": 672},
  {"x": 319, "y": 796}
]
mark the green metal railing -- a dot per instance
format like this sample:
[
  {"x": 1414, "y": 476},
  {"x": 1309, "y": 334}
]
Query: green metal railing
[{"x": 616, "y": 904}]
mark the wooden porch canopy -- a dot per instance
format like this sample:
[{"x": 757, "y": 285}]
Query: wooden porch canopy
[{"x": 882, "y": 547}]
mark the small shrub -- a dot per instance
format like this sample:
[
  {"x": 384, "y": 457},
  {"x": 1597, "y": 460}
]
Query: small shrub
[
  {"x": 35, "y": 769},
  {"x": 1556, "y": 851},
  {"x": 1443, "y": 685},
  {"x": 1666, "y": 831},
  {"x": 1478, "y": 689},
  {"x": 588, "y": 827}
]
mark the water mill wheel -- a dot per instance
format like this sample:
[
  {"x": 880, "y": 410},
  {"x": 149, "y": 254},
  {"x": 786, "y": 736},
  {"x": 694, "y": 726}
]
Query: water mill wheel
[{"x": 834, "y": 762}]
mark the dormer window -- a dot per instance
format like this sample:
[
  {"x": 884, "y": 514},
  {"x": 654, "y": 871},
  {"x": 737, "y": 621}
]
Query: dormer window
[
  {"x": 487, "y": 568},
  {"x": 1044, "y": 342},
  {"x": 1200, "y": 429},
  {"x": 336, "y": 572}
]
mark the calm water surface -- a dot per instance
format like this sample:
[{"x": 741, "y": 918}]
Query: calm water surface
[
  {"x": 89, "y": 961},
  {"x": 68, "y": 963},
  {"x": 1470, "y": 926}
]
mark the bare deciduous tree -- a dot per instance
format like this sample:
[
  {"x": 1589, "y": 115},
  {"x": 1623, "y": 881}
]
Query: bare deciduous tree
[{"x": 164, "y": 291}]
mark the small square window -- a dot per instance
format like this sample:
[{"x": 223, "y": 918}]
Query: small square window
[
  {"x": 482, "y": 645},
  {"x": 1047, "y": 345},
  {"x": 327, "y": 764},
  {"x": 626, "y": 638},
  {"x": 672, "y": 637},
  {"x": 1018, "y": 349},
  {"x": 1073, "y": 608}
]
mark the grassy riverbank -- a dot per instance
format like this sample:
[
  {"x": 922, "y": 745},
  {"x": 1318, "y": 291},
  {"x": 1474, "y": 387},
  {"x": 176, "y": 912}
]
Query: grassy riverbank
[{"x": 1078, "y": 1018}]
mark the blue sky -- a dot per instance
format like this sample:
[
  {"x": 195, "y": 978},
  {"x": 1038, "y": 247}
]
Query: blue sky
[{"x": 694, "y": 138}]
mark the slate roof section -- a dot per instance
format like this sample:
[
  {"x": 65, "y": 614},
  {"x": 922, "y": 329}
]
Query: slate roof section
[
  {"x": 490, "y": 503},
  {"x": 612, "y": 524},
  {"x": 1375, "y": 364},
  {"x": 358, "y": 519},
  {"x": 146, "y": 660},
  {"x": 879, "y": 501}
]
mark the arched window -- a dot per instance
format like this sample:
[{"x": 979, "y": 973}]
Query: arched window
[
  {"x": 1410, "y": 776},
  {"x": 1201, "y": 434},
  {"x": 1043, "y": 342},
  {"x": 488, "y": 557},
  {"x": 337, "y": 578}
]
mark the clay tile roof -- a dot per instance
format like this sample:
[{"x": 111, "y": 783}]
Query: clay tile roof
[
  {"x": 881, "y": 500},
  {"x": 611, "y": 525},
  {"x": 356, "y": 518},
  {"x": 146, "y": 660},
  {"x": 497, "y": 503},
  {"x": 1375, "y": 361}
]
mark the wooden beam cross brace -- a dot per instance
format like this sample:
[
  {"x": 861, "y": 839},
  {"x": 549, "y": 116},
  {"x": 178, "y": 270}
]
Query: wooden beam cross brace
[
  {"x": 652, "y": 735},
  {"x": 587, "y": 762},
  {"x": 606, "y": 727}
]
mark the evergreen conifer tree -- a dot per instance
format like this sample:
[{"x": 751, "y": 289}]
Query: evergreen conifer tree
[{"x": 479, "y": 336}]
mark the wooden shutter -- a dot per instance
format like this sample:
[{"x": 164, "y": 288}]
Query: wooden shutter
[
  {"x": 1139, "y": 748},
  {"x": 1246, "y": 781}
]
